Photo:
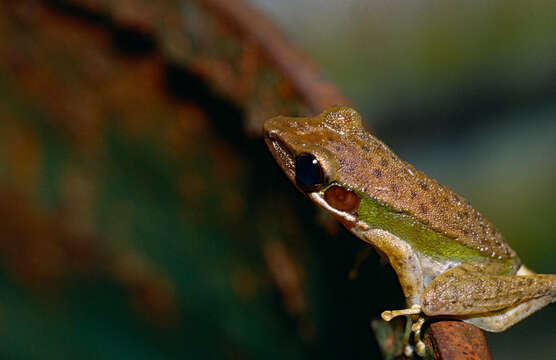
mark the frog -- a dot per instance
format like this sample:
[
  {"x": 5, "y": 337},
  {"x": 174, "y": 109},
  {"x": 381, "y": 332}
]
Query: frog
[{"x": 449, "y": 259}]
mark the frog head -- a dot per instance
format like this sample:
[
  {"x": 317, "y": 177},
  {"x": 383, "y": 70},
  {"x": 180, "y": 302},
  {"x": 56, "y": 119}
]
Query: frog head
[{"x": 318, "y": 154}]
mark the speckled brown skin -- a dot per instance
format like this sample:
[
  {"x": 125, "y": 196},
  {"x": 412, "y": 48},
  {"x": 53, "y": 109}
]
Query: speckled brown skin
[
  {"x": 482, "y": 288},
  {"x": 458, "y": 266},
  {"x": 363, "y": 162}
]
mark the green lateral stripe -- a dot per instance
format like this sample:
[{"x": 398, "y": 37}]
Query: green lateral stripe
[{"x": 420, "y": 236}]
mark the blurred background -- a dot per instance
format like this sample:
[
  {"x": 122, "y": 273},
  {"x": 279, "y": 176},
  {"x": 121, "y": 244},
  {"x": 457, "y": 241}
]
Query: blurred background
[{"x": 142, "y": 217}]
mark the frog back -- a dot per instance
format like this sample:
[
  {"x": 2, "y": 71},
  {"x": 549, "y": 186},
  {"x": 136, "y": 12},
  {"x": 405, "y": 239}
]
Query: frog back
[{"x": 363, "y": 162}]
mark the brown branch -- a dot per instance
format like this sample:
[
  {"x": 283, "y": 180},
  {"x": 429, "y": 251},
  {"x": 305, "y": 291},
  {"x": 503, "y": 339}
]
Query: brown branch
[
  {"x": 317, "y": 92},
  {"x": 294, "y": 86},
  {"x": 445, "y": 340},
  {"x": 457, "y": 340}
]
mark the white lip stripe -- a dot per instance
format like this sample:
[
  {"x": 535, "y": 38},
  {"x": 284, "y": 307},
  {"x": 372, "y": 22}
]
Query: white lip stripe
[{"x": 318, "y": 199}]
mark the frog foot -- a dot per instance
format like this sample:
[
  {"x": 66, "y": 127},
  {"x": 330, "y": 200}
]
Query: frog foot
[
  {"x": 411, "y": 327},
  {"x": 419, "y": 344},
  {"x": 390, "y": 314}
]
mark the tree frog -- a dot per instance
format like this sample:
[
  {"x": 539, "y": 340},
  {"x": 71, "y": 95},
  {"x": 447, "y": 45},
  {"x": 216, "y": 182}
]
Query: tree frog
[{"x": 449, "y": 259}]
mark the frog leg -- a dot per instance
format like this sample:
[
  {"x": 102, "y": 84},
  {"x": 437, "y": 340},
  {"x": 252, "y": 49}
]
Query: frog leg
[
  {"x": 500, "y": 321},
  {"x": 483, "y": 289},
  {"x": 407, "y": 266},
  {"x": 403, "y": 260}
]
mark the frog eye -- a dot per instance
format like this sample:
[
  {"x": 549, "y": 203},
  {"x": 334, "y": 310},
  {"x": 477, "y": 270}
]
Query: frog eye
[
  {"x": 342, "y": 199},
  {"x": 308, "y": 172}
]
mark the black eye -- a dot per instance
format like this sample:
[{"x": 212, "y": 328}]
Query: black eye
[{"x": 308, "y": 172}]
